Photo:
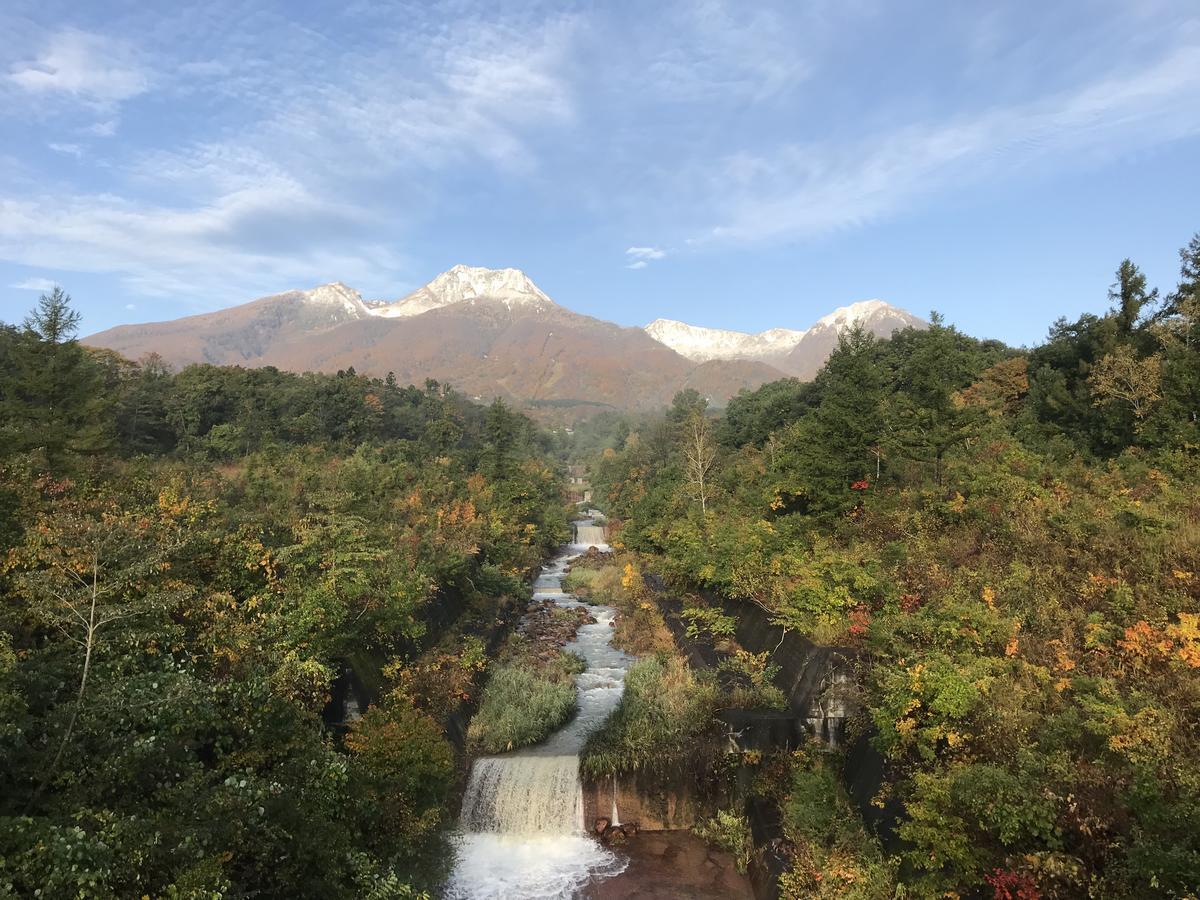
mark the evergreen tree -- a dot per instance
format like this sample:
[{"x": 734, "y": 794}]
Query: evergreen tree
[
  {"x": 850, "y": 418},
  {"x": 53, "y": 395},
  {"x": 54, "y": 321},
  {"x": 928, "y": 421},
  {"x": 1129, "y": 296}
]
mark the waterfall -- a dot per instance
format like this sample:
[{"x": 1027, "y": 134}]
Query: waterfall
[
  {"x": 524, "y": 795},
  {"x": 590, "y": 535},
  {"x": 522, "y": 832}
]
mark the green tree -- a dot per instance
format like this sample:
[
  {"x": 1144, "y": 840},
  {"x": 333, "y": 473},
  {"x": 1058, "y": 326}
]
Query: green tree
[
  {"x": 1130, "y": 297},
  {"x": 54, "y": 321},
  {"x": 928, "y": 421},
  {"x": 52, "y": 393}
]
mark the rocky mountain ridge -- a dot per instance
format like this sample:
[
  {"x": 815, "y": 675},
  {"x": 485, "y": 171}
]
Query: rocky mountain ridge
[{"x": 494, "y": 333}]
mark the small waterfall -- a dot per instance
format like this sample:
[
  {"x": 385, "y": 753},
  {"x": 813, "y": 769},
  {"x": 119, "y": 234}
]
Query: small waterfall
[
  {"x": 522, "y": 829},
  {"x": 524, "y": 795},
  {"x": 590, "y": 535}
]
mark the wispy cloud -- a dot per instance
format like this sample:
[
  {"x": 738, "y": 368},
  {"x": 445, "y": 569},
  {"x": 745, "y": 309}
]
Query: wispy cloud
[
  {"x": 723, "y": 49},
  {"x": 35, "y": 284},
  {"x": 640, "y": 257},
  {"x": 292, "y": 198},
  {"x": 645, "y": 252},
  {"x": 68, "y": 149},
  {"x": 799, "y": 190},
  {"x": 90, "y": 67},
  {"x": 258, "y": 240}
]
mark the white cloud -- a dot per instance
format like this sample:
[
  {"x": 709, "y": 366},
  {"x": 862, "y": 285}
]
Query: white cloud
[
  {"x": 640, "y": 257},
  {"x": 35, "y": 284},
  {"x": 805, "y": 189},
  {"x": 292, "y": 199},
  {"x": 246, "y": 243},
  {"x": 745, "y": 52},
  {"x": 87, "y": 66},
  {"x": 69, "y": 149},
  {"x": 130, "y": 306}
]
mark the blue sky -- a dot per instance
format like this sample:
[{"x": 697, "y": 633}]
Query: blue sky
[{"x": 738, "y": 165}]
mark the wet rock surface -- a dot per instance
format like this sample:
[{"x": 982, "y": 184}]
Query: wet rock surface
[
  {"x": 549, "y": 626},
  {"x": 672, "y": 865},
  {"x": 593, "y": 558}
]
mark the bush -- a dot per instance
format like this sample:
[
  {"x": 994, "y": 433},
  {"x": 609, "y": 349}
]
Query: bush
[
  {"x": 835, "y": 857},
  {"x": 661, "y": 721},
  {"x": 731, "y": 833},
  {"x": 522, "y": 706}
]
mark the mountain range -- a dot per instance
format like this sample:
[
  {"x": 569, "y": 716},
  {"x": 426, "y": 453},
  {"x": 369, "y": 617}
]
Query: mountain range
[{"x": 493, "y": 332}]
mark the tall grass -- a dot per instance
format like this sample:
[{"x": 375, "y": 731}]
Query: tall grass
[
  {"x": 661, "y": 722},
  {"x": 522, "y": 706}
]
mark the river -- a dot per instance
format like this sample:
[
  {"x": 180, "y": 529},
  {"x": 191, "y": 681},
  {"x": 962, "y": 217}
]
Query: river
[{"x": 521, "y": 832}]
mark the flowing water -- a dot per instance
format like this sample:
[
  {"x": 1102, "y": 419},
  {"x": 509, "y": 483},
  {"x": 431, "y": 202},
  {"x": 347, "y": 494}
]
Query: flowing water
[{"x": 522, "y": 832}]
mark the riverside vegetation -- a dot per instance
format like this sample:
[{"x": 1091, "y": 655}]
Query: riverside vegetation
[
  {"x": 188, "y": 562},
  {"x": 1008, "y": 542}
]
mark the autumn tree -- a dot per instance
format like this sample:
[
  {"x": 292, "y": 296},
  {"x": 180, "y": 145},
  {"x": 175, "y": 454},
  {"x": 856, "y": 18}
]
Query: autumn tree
[
  {"x": 1122, "y": 377},
  {"x": 700, "y": 454},
  {"x": 89, "y": 567}
]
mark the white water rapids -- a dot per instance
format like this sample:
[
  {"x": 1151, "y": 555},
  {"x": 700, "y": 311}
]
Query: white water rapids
[{"x": 522, "y": 831}]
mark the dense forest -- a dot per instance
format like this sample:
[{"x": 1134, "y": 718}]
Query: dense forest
[
  {"x": 190, "y": 563},
  {"x": 1007, "y": 542}
]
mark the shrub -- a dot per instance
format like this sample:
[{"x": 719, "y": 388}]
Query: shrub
[
  {"x": 835, "y": 857},
  {"x": 731, "y": 833},
  {"x": 522, "y": 706},
  {"x": 661, "y": 721}
]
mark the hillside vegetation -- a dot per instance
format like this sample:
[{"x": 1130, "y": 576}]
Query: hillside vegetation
[
  {"x": 188, "y": 563},
  {"x": 1009, "y": 542}
]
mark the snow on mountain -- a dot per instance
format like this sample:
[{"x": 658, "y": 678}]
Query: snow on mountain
[
  {"x": 512, "y": 287},
  {"x": 846, "y": 316},
  {"x": 337, "y": 294},
  {"x": 702, "y": 344}
]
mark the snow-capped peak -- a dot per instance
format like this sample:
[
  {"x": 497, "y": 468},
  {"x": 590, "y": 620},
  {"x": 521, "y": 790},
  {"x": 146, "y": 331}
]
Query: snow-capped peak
[
  {"x": 512, "y": 287},
  {"x": 700, "y": 344},
  {"x": 337, "y": 294},
  {"x": 848, "y": 316}
]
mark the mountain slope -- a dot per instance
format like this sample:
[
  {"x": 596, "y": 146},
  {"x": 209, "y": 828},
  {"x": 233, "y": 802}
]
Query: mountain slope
[
  {"x": 241, "y": 334},
  {"x": 487, "y": 332},
  {"x": 493, "y": 332},
  {"x": 701, "y": 344},
  {"x": 799, "y": 353},
  {"x": 877, "y": 317}
]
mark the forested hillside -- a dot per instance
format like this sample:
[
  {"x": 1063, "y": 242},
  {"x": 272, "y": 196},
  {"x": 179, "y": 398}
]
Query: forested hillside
[
  {"x": 189, "y": 563},
  {"x": 1008, "y": 541}
]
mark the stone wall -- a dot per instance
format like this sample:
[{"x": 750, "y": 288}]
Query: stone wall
[{"x": 654, "y": 802}]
